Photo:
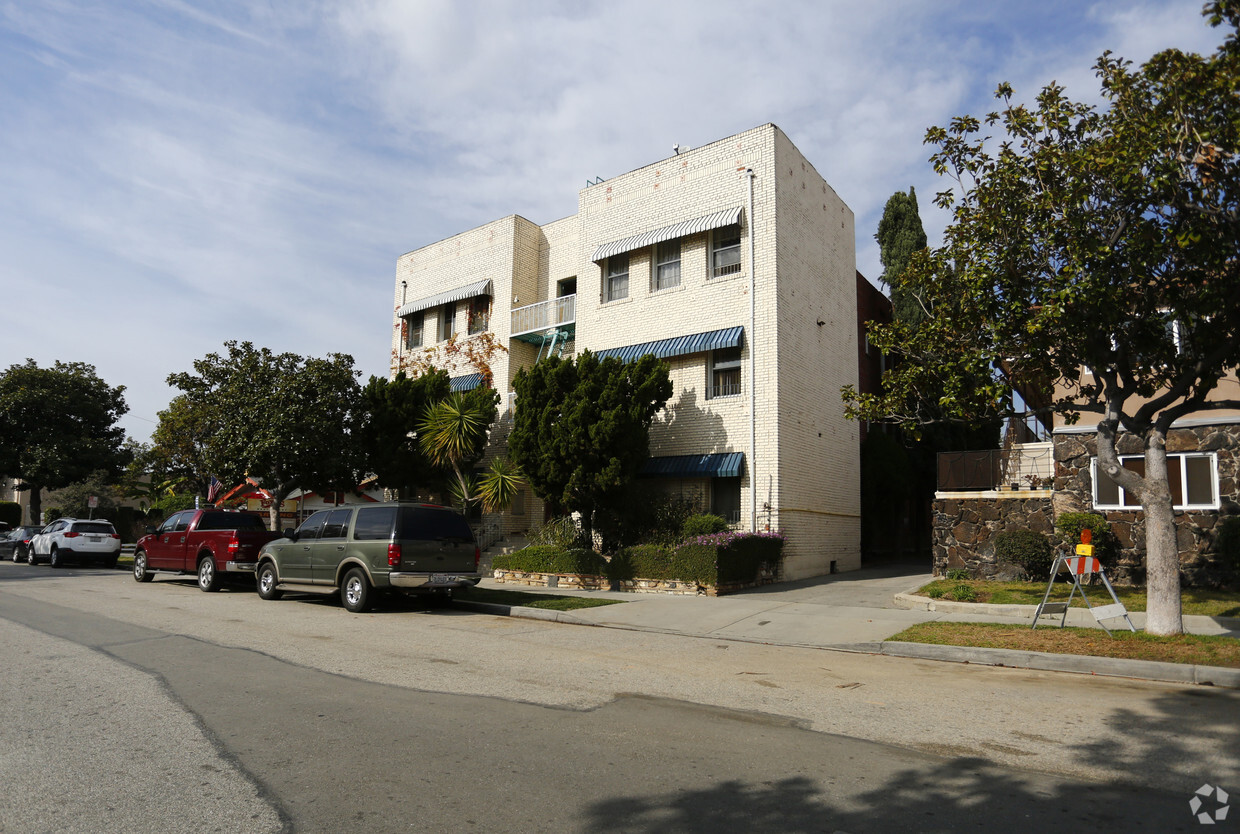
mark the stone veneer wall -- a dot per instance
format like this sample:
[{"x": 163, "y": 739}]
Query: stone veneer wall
[
  {"x": 965, "y": 528},
  {"x": 1195, "y": 529}
]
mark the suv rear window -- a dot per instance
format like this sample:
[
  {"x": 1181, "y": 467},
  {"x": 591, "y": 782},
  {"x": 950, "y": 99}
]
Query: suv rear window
[
  {"x": 104, "y": 527},
  {"x": 429, "y": 524},
  {"x": 374, "y": 524}
]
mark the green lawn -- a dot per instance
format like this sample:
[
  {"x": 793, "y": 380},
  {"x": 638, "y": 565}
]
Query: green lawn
[
  {"x": 1203, "y": 601},
  {"x": 1186, "y": 648}
]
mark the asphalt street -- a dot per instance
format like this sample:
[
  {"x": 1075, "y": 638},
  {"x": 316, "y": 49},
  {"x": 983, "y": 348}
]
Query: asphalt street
[{"x": 159, "y": 708}]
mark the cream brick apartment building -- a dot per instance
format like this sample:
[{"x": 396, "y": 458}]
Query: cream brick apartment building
[{"x": 735, "y": 263}]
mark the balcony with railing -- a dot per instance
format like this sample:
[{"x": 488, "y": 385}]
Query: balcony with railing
[
  {"x": 1022, "y": 466},
  {"x": 530, "y": 322}
]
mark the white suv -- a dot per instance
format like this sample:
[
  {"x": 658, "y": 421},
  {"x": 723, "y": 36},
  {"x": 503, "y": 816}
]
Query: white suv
[{"x": 76, "y": 539}]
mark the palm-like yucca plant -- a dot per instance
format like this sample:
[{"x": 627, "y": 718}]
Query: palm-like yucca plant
[{"x": 452, "y": 430}]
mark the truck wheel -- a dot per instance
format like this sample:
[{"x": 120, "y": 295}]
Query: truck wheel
[
  {"x": 55, "y": 559},
  {"x": 355, "y": 591},
  {"x": 267, "y": 582},
  {"x": 208, "y": 578},
  {"x": 140, "y": 573}
]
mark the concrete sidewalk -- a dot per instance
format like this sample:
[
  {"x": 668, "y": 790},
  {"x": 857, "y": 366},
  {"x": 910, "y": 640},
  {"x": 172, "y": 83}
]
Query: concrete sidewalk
[{"x": 858, "y": 611}]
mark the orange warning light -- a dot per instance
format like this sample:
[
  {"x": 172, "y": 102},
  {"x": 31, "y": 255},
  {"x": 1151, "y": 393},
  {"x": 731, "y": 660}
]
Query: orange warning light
[{"x": 1087, "y": 536}]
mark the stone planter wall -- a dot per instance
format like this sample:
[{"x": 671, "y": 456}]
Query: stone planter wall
[
  {"x": 1195, "y": 530},
  {"x": 965, "y": 527},
  {"x": 637, "y": 586}
]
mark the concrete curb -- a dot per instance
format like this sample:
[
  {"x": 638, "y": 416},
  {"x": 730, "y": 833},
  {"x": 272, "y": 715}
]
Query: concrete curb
[{"x": 1079, "y": 664}]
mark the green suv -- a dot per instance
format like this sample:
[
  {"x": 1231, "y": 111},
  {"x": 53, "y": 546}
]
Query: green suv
[{"x": 365, "y": 549}]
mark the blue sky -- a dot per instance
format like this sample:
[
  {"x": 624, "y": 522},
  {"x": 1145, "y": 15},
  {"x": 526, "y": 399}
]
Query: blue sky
[{"x": 175, "y": 174}]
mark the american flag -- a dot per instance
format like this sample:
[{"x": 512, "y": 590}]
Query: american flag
[{"x": 214, "y": 489}]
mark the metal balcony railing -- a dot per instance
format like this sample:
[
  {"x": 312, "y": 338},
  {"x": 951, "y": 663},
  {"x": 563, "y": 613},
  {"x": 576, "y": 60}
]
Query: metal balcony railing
[
  {"x": 1023, "y": 466},
  {"x": 544, "y": 315}
]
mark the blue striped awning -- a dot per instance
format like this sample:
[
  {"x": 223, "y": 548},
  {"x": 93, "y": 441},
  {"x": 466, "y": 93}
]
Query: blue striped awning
[
  {"x": 719, "y": 465},
  {"x": 465, "y": 383},
  {"x": 718, "y": 220},
  {"x": 678, "y": 346},
  {"x": 468, "y": 291}
]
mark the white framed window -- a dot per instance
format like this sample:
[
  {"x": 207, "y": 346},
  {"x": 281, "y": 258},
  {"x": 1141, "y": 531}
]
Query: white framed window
[
  {"x": 1192, "y": 477},
  {"x": 414, "y": 323},
  {"x": 447, "y": 321},
  {"x": 725, "y": 251},
  {"x": 667, "y": 265},
  {"x": 724, "y": 373},
  {"x": 616, "y": 283}
]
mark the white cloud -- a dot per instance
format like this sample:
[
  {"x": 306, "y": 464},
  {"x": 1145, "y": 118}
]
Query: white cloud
[{"x": 181, "y": 176}]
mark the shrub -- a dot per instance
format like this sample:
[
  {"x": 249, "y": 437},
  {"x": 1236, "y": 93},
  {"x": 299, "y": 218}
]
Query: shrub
[
  {"x": 957, "y": 574},
  {"x": 703, "y": 524},
  {"x": 1027, "y": 548},
  {"x": 11, "y": 513},
  {"x": 550, "y": 559},
  {"x": 558, "y": 532},
  {"x": 1227, "y": 548},
  {"x": 1070, "y": 526},
  {"x": 936, "y": 592},
  {"x": 644, "y": 561},
  {"x": 962, "y": 593},
  {"x": 51, "y": 514}
]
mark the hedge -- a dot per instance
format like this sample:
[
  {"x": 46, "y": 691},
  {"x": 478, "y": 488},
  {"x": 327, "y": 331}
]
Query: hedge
[
  {"x": 546, "y": 558},
  {"x": 718, "y": 559},
  {"x": 1027, "y": 548},
  {"x": 11, "y": 513}
]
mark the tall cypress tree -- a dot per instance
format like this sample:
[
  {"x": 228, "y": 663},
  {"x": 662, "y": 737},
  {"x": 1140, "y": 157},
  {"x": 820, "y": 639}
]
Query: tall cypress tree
[{"x": 900, "y": 236}]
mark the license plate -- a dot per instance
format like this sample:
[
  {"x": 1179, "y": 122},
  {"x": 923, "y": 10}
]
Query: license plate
[
  {"x": 444, "y": 577},
  {"x": 95, "y": 538}
]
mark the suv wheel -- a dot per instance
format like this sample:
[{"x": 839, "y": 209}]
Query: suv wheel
[
  {"x": 208, "y": 578},
  {"x": 355, "y": 591},
  {"x": 267, "y": 582},
  {"x": 140, "y": 573},
  {"x": 31, "y": 558},
  {"x": 55, "y": 559}
]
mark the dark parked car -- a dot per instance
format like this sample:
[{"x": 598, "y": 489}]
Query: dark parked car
[
  {"x": 362, "y": 550},
  {"x": 13, "y": 543}
]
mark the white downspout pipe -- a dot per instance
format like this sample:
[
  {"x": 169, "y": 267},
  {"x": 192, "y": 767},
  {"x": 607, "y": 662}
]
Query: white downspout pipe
[{"x": 753, "y": 367}]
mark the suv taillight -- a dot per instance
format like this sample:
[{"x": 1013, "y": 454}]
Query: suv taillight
[
  {"x": 477, "y": 557},
  {"x": 72, "y": 534},
  {"x": 393, "y": 555},
  {"x": 116, "y": 535}
]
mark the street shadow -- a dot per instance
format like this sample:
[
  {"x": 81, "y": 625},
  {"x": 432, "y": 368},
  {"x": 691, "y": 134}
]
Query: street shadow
[
  {"x": 952, "y": 795},
  {"x": 1161, "y": 738}
]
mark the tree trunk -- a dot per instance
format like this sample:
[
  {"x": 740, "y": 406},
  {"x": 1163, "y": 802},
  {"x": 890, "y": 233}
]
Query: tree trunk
[
  {"x": 278, "y": 494},
  {"x": 1162, "y": 554},
  {"x": 36, "y": 504}
]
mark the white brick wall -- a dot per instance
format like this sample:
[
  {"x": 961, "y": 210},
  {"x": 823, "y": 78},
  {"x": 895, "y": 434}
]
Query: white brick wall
[{"x": 806, "y": 457}]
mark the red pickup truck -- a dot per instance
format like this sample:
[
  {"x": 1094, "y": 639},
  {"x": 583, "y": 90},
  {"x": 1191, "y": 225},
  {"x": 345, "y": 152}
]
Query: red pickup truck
[{"x": 208, "y": 542}]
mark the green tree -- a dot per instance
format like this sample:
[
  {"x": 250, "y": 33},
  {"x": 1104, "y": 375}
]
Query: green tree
[
  {"x": 285, "y": 420},
  {"x": 900, "y": 236},
  {"x": 74, "y": 500},
  {"x": 581, "y": 428},
  {"x": 392, "y": 410},
  {"x": 178, "y": 454},
  {"x": 57, "y": 426},
  {"x": 1093, "y": 253}
]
